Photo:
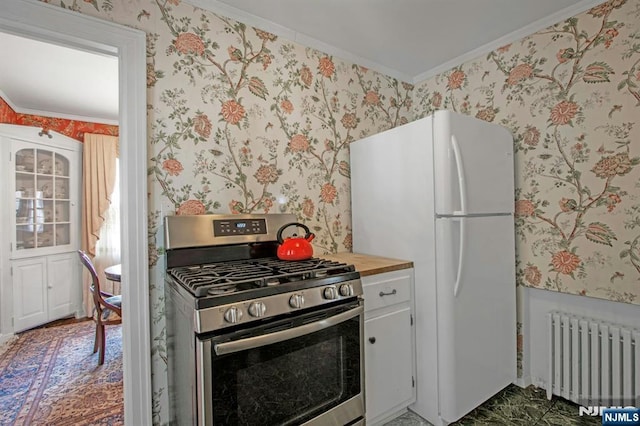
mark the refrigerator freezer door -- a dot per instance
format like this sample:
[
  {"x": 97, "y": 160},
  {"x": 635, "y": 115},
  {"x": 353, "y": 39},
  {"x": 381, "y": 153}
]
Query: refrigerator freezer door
[
  {"x": 476, "y": 327},
  {"x": 473, "y": 166},
  {"x": 392, "y": 191}
]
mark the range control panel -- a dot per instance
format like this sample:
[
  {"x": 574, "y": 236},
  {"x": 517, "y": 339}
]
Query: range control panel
[
  {"x": 204, "y": 230},
  {"x": 231, "y": 227}
]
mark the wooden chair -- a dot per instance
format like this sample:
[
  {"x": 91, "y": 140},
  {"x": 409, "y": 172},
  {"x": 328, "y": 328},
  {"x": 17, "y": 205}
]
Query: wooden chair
[{"x": 107, "y": 310}]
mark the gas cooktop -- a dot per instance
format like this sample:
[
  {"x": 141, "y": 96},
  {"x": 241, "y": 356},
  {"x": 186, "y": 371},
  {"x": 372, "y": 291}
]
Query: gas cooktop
[
  {"x": 225, "y": 269},
  {"x": 242, "y": 275}
]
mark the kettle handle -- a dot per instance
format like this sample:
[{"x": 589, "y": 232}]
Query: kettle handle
[{"x": 308, "y": 234}]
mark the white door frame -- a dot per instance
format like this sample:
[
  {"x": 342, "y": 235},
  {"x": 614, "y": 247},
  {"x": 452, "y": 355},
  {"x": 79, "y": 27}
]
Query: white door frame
[{"x": 38, "y": 20}]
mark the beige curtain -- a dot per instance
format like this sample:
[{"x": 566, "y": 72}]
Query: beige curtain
[{"x": 99, "y": 155}]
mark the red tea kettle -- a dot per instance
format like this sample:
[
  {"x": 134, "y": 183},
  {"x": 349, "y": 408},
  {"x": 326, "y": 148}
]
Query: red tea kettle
[{"x": 294, "y": 247}]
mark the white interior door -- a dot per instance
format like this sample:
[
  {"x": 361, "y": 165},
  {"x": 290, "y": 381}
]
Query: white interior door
[{"x": 476, "y": 327}]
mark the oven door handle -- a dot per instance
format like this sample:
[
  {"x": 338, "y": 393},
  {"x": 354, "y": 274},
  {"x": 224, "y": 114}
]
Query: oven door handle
[{"x": 280, "y": 336}]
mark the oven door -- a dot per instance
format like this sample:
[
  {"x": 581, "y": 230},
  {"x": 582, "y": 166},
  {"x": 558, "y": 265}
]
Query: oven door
[{"x": 307, "y": 369}]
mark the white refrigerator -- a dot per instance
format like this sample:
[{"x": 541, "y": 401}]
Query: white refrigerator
[{"x": 440, "y": 191}]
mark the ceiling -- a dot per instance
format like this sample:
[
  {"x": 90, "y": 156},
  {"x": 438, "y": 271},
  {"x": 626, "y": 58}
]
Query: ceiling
[
  {"x": 411, "y": 40},
  {"x": 50, "y": 80}
]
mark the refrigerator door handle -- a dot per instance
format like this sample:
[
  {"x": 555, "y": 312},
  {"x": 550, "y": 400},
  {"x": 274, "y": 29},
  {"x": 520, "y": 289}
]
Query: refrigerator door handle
[
  {"x": 462, "y": 183},
  {"x": 461, "y": 256}
]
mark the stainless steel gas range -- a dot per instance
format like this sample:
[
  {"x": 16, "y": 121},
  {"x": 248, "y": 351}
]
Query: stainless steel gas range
[{"x": 254, "y": 340}]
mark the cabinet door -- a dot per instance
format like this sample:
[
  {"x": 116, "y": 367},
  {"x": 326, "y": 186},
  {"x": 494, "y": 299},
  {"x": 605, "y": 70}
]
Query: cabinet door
[
  {"x": 62, "y": 283},
  {"x": 388, "y": 362},
  {"x": 29, "y": 293},
  {"x": 46, "y": 185}
]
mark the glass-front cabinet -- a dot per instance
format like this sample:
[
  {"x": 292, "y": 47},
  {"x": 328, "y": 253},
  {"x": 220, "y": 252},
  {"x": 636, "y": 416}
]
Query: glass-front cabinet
[
  {"x": 46, "y": 187},
  {"x": 42, "y": 198},
  {"x": 40, "y": 224}
]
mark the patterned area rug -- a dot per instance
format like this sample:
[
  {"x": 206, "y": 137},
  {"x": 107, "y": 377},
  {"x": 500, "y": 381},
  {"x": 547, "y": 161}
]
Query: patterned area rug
[{"x": 50, "y": 376}]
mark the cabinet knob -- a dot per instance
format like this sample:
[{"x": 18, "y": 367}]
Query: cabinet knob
[{"x": 372, "y": 340}]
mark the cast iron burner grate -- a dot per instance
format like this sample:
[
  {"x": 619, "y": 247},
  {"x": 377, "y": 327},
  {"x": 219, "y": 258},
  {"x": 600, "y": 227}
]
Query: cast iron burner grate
[{"x": 232, "y": 276}]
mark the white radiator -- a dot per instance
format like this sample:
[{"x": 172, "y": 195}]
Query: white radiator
[{"x": 592, "y": 362}]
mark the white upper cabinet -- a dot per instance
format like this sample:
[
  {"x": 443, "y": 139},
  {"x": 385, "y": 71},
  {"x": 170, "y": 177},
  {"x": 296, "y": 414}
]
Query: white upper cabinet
[{"x": 44, "y": 183}]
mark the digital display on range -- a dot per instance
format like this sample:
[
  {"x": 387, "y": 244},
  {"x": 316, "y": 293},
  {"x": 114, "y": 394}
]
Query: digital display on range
[{"x": 236, "y": 227}]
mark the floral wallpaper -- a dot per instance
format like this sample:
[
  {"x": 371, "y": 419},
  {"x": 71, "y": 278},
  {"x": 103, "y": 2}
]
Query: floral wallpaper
[
  {"x": 7, "y": 114},
  {"x": 570, "y": 94},
  {"x": 243, "y": 121},
  {"x": 250, "y": 123},
  {"x": 72, "y": 128}
]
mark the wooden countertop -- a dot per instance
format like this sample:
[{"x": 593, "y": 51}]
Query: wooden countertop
[{"x": 369, "y": 265}]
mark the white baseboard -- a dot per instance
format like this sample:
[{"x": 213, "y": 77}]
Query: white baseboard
[
  {"x": 389, "y": 417},
  {"x": 4, "y": 338},
  {"x": 523, "y": 382}
]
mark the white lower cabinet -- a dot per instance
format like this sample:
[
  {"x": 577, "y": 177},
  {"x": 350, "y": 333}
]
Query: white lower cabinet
[
  {"x": 389, "y": 344},
  {"x": 44, "y": 289}
]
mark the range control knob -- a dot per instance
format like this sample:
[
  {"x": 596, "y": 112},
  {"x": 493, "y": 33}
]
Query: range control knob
[
  {"x": 296, "y": 301},
  {"x": 257, "y": 309},
  {"x": 346, "y": 290},
  {"x": 330, "y": 293},
  {"x": 232, "y": 315}
]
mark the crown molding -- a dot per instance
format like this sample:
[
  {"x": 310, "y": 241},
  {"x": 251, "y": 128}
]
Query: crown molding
[
  {"x": 7, "y": 100},
  {"x": 247, "y": 18},
  {"x": 512, "y": 37},
  {"x": 228, "y": 11},
  {"x": 19, "y": 110}
]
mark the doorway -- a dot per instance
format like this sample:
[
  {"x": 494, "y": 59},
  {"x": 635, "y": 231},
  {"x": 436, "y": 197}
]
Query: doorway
[
  {"x": 53, "y": 24},
  {"x": 50, "y": 89}
]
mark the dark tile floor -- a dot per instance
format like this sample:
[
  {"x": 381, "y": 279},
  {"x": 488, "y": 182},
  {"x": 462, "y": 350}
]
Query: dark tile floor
[{"x": 515, "y": 406}]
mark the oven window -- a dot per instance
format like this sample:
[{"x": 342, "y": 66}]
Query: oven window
[{"x": 288, "y": 382}]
